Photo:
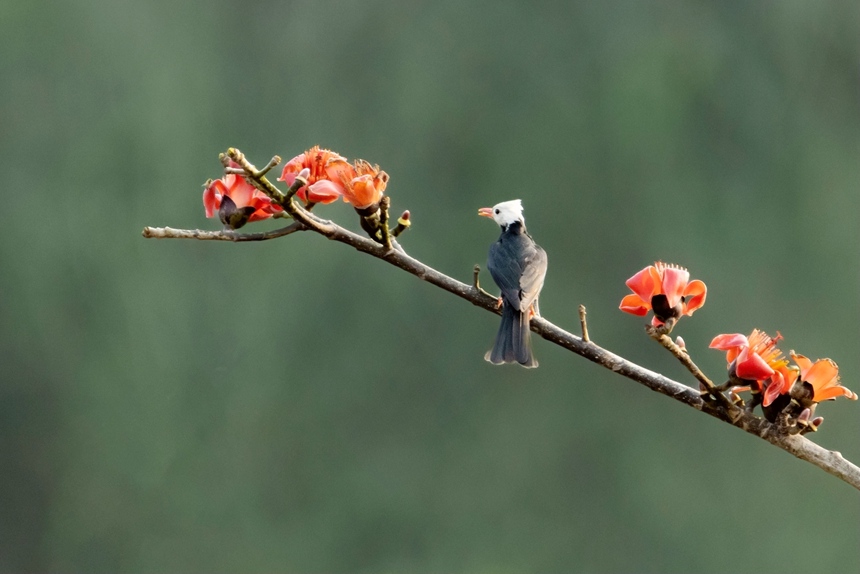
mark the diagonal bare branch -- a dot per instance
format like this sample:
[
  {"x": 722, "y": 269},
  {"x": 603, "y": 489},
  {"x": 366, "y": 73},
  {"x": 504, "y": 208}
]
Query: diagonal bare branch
[{"x": 831, "y": 462}]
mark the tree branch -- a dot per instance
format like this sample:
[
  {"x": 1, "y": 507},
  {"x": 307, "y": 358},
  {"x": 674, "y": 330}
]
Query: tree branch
[
  {"x": 226, "y": 235},
  {"x": 831, "y": 462}
]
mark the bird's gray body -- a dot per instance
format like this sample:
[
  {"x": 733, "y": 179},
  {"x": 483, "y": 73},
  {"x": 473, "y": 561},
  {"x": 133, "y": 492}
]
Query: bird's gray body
[{"x": 518, "y": 266}]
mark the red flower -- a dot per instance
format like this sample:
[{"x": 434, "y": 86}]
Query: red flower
[
  {"x": 823, "y": 377},
  {"x": 327, "y": 171},
  {"x": 756, "y": 359},
  {"x": 365, "y": 187},
  {"x": 665, "y": 289},
  {"x": 237, "y": 201}
]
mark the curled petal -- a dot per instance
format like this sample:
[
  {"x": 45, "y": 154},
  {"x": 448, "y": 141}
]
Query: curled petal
[
  {"x": 240, "y": 191},
  {"x": 634, "y": 305},
  {"x": 323, "y": 191},
  {"x": 823, "y": 373},
  {"x": 674, "y": 283},
  {"x": 731, "y": 343},
  {"x": 289, "y": 178},
  {"x": 726, "y": 342},
  {"x": 272, "y": 208},
  {"x": 694, "y": 295},
  {"x": 263, "y": 208},
  {"x": 802, "y": 362},
  {"x": 645, "y": 284},
  {"x": 833, "y": 392},
  {"x": 752, "y": 367},
  {"x": 780, "y": 383},
  {"x": 770, "y": 395},
  {"x": 212, "y": 197}
]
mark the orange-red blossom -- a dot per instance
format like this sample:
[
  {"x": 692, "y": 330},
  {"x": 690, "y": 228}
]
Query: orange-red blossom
[
  {"x": 823, "y": 377},
  {"x": 757, "y": 360},
  {"x": 666, "y": 290},
  {"x": 327, "y": 170},
  {"x": 364, "y": 187},
  {"x": 249, "y": 203}
]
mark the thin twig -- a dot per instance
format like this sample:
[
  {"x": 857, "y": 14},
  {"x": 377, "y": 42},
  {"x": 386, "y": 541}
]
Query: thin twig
[
  {"x": 384, "y": 204},
  {"x": 476, "y": 282},
  {"x": 685, "y": 359},
  {"x": 226, "y": 235},
  {"x": 584, "y": 323},
  {"x": 257, "y": 177}
]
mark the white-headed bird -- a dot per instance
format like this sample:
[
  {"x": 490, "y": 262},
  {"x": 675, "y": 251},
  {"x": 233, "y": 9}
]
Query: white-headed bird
[{"x": 518, "y": 266}]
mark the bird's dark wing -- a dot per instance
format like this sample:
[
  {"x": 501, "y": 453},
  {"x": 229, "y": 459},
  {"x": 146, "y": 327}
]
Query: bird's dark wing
[
  {"x": 506, "y": 269},
  {"x": 534, "y": 271}
]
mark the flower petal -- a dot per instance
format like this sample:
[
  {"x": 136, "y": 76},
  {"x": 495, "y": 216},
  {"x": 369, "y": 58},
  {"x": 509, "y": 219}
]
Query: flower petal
[
  {"x": 802, "y": 362},
  {"x": 262, "y": 208},
  {"x": 339, "y": 170},
  {"x": 674, "y": 283},
  {"x": 212, "y": 197},
  {"x": 361, "y": 192},
  {"x": 239, "y": 190},
  {"x": 726, "y": 342},
  {"x": 780, "y": 383},
  {"x": 634, "y": 305},
  {"x": 822, "y": 374},
  {"x": 645, "y": 284},
  {"x": 770, "y": 394},
  {"x": 324, "y": 191},
  {"x": 732, "y": 344},
  {"x": 291, "y": 168},
  {"x": 752, "y": 367},
  {"x": 694, "y": 295},
  {"x": 832, "y": 393}
]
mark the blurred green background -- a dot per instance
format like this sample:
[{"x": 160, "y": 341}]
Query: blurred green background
[{"x": 295, "y": 406}]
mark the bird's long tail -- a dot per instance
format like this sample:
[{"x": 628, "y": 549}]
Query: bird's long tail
[{"x": 513, "y": 341}]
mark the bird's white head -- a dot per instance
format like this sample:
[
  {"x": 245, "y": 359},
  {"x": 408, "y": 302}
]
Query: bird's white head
[{"x": 505, "y": 213}]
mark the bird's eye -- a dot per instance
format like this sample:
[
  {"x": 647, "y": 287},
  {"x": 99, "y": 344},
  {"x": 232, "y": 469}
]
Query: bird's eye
[{"x": 497, "y": 212}]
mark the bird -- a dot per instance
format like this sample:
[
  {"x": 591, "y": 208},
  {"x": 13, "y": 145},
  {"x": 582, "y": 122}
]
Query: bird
[{"x": 518, "y": 266}]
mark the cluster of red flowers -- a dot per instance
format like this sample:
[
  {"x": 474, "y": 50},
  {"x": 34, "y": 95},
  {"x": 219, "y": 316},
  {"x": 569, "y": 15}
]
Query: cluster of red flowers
[
  {"x": 330, "y": 176},
  {"x": 755, "y": 364}
]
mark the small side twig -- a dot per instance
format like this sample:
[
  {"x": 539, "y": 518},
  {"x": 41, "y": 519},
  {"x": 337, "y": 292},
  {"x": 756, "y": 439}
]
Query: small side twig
[
  {"x": 584, "y": 323},
  {"x": 476, "y": 282},
  {"x": 255, "y": 176},
  {"x": 384, "y": 204},
  {"x": 685, "y": 359}
]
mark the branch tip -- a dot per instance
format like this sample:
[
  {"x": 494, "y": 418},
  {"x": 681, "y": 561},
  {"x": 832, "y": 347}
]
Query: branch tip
[
  {"x": 584, "y": 324},
  {"x": 384, "y": 204}
]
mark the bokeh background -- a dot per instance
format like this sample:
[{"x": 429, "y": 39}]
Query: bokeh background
[{"x": 296, "y": 406}]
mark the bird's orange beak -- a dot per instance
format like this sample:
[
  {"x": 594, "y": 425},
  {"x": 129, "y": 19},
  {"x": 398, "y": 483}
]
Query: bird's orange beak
[{"x": 486, "y": 212}]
